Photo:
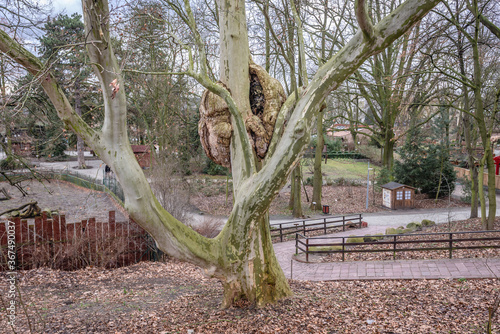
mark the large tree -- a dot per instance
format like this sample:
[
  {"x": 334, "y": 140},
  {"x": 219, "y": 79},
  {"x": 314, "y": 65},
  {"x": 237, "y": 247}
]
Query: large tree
[
  {"x": 263, "y": 152},
  {"x": 63, "y": 50},
  {"x": 477, "y": 77}
]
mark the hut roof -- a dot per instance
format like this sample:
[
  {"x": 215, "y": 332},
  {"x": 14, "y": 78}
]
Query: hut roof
[
  {"x": 140, "y": 148},
  {"x": 395, "y": 185}
]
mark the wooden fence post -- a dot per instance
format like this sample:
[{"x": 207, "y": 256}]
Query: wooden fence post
[
  {"x": 307, "y": 249},
  {"x": 451, "y": 245}
]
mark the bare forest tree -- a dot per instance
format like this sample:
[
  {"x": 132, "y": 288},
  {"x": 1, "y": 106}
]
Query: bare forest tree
[{"x": 472, "y": 67}]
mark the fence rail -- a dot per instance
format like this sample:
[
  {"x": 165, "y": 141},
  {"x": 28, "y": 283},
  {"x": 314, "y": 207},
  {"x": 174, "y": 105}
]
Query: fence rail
[
  {"x": 50, "y": 241},
  {"x": 305, "y": 226},
  {"x": 442, "y": 241}
]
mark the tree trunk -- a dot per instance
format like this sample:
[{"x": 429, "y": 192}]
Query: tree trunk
[
  {"x": 318, "y": 159},
  {"x": 250, "y": 270},
  {"x": 388, "y": 149},
  {"x": 488, "y": 222},
  {"x": 468, "y": 134},
  {"x": 295, "y": 203},
  {"x": 6, "y": 118},
  {"x": 80, "y": 144},
  {"x": 474, "y": 199},
  {"x": 297, "y": 190}
]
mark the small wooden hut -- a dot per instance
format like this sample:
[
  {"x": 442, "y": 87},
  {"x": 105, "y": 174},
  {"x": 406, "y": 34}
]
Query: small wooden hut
[
  {"x": 398, "y": 196},
  {"x": 143, "y": 155}
]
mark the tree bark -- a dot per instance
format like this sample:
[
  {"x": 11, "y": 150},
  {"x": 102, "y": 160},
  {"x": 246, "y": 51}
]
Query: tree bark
[
  {"x": 468, "y": 134},
  {"x": 388, "y": 149},
  {"x": 318, "y": 159},
  {"x": 297, "y": 192},
  {"x": 80, "y": 144},
  {"x": 250, "y": 270},
  {"x": 489, "y": 221}
]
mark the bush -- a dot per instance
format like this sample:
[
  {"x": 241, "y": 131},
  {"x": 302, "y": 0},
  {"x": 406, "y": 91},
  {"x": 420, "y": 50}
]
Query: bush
[
  {"x": 210, "y": 228},
  {"x": 427, "y": 168},
  {"x": 171, "y": 190},
  {"x": 371, "y": 238},
  {"x": 383, "y": 176},
  {"x": 466, "y": 191},
  {"x": 427, "y": 222},
  {"x": 392, "y": 230},
  {"x": 9, "y": 163},
  {"x": 309, "y": 181},
  {"x": 414, "y": 226},
  {"x": 211, "y": 168},
  {"x": 333, "y": 145},
  {"x": 353, "y": 240}
]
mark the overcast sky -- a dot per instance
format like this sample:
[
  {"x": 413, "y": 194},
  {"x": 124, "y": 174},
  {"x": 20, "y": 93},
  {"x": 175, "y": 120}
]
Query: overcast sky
[{"x": 69, "y": 6}]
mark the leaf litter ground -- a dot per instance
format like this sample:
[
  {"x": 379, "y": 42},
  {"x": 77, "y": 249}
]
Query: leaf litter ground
[{"x": 173, "y": 297}]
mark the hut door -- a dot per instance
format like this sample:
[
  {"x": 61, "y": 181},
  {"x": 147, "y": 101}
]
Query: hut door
[
  {"x": 399, "y": 202},
  {"x": 408, "y": 198}
]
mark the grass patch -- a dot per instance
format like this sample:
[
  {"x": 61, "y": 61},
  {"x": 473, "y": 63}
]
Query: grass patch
[{"x": 347, "y": 169}]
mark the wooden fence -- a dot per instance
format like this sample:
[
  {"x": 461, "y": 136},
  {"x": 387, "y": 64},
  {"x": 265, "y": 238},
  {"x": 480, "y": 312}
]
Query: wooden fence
[
  {"x": 314, "y": 225},
  {"x": 394, "y": 243},
  {"x": 463, "y": 173},
  {"x": 50, "y": 241}
]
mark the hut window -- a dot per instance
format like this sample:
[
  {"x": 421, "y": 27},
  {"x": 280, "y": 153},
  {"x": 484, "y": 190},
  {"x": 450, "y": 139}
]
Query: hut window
[
  {"x": 399, "y": 196},
  {"x": 408, "y": 194}
]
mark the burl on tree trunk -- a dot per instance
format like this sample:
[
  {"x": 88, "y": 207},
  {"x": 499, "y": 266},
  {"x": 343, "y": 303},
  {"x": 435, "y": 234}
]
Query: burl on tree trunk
[{"x": 215, "y": 130}]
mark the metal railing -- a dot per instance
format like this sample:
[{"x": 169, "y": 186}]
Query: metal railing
[
  {"x": 441, "y": 241},
  {"x": 305, "y": 226}
]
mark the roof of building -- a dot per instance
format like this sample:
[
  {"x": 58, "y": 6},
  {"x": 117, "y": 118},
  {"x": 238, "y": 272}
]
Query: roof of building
[
  {"x": 140, "y": 148},
  {"x": 395, "y": 185}
]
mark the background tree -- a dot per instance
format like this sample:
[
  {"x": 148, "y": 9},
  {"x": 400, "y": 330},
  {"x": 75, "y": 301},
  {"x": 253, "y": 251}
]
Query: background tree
[
  {"x": 425, "y": 167},
  {"x": 477, "y": 74},
  {"x": 63, "y": 51}
]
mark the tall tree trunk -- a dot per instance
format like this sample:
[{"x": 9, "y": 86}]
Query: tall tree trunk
[
  {"x": 6, "y": 118},
  {"x": 468, "y": 133},
  {"x": 318, "y": 159},
  {"x": 80, "y": 144},
  {"x": 388, "y": 149},
  {"x": 488, "y": 222},
  {"x": 297, "y": 192},
  {"x": 295, "y": 202},
  {"x": 251, "y": 271}
]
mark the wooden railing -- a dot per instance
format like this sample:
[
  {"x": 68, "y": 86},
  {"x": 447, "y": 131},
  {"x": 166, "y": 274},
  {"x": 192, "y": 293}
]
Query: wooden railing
[
  {"x": 442, "y": 241},
  {"x": 305, "y": 226}
]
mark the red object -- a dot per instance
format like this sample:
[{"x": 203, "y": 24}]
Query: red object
[
  {"x": 364, "y": 224},
  {"x": 326, "y": 209},
  {"x": 497, "y": 163}
]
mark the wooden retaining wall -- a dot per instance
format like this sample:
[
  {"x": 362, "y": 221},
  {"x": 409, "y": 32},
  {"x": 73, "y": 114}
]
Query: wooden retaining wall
[
  {"x": 50, "y": 241},
  {"x": 465, "y": 173}
]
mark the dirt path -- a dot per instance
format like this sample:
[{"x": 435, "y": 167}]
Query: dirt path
[{"x": 77, "y": 203}]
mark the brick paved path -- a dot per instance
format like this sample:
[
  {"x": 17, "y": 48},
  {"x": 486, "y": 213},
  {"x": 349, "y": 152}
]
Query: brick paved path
[{"x": 376, "y": 270}]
